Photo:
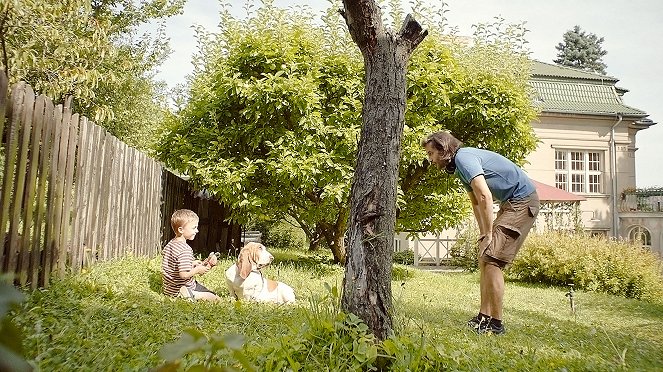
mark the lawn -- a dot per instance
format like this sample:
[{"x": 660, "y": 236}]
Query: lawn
[{"x": 114, "y": 318}]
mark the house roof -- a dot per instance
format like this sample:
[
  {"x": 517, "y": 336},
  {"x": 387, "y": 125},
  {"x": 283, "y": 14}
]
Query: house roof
[
  {"x": 580, "y": 98},
  {"x": 567, "y": 90},
  {"x": 549, "y": 193},
  {"x": 544, "y": 70}
]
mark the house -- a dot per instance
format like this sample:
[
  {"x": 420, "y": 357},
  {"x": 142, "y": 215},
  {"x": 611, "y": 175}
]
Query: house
[
  {"x": 584, "y": 164},
  {"x": 587, "y": 147}
]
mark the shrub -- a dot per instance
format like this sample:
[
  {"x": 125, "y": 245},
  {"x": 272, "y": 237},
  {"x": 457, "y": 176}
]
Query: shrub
[
  {"x": 590, "y": 263},
  {"x": 283, "y": 235},
  {"x": 464, "y": 252},
  {"x": 403, "y": 257}
]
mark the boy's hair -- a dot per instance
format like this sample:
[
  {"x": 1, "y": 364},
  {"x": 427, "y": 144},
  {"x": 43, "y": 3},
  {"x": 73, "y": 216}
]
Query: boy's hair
[{"x": 181, "y": 217}]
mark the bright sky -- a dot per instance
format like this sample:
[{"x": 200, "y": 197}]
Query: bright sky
[{"x": 631, "y": 30}]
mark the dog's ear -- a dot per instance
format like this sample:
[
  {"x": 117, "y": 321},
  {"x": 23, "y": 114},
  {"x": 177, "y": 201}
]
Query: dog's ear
[{"x": 244, "y": 263}]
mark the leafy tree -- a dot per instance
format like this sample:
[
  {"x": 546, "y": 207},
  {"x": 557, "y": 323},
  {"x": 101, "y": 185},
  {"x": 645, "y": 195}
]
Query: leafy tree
[
  {"x": 581, "y": 50},
  {"x": 273, "y": 120},
  {"x": 91, "y": 50}
]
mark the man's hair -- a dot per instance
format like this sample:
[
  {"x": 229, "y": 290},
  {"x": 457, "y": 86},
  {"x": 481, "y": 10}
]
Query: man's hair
[
  {"x": 181, "y": 217},
  {"x": 444, "y": 142}
]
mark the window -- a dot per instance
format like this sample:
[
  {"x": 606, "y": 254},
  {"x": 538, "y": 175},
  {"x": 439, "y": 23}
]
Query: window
[
  {"x": 578, "y": 171},
  {"x": 640, "y": 235}
]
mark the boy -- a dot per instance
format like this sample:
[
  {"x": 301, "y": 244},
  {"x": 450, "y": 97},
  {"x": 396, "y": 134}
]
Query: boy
[{"x": 178, "y": 267}]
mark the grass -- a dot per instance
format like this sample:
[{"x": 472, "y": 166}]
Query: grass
[{"x": 114, "y": 318}]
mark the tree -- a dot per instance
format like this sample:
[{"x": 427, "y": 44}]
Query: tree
[
  {"x": 272, "y": 123},
  {"x": 367, "y": 281},
  {"x": 581, "y": 50},
  {"x": 91, "y": 50}
]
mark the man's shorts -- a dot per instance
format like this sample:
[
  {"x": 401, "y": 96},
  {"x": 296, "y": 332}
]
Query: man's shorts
[{"x": 510, "y": 228}]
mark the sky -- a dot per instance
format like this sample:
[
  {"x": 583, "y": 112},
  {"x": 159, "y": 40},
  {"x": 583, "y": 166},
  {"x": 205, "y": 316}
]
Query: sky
[{"x": 631, "y": 29}]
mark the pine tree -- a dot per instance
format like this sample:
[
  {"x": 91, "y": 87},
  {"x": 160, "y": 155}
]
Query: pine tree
[{"x": 581, "y": 50}]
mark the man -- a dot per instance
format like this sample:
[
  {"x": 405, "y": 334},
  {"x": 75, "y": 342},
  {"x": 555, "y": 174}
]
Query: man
[{"x": 489, "y": 176}]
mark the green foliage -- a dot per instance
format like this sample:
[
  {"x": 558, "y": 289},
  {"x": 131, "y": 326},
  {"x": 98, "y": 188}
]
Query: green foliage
[
  {"x": 113, "y": 318},
  {"x": 581, "y": 50},
  {"x": 405, "y": 257},
  {"x": 11, "y": 338},
  {"x": 91, "y": 50},
  {"x": 283, "y": 235},
  {"x": 590, "y": 263},
  {"x": 464, "y": 252},
  {"x": 273, "y": 121},
  {"x": 401, "y": 273}
]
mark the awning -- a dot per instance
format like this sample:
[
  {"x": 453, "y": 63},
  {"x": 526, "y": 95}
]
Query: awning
[{"x": 549, "y": 193}]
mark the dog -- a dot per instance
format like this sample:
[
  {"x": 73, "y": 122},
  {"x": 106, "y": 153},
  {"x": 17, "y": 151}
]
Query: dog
[{"x": 246, "y": 281}]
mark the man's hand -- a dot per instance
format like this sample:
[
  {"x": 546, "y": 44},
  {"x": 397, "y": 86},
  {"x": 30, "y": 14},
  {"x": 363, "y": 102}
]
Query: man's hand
[{"x": 484, "y": 242}]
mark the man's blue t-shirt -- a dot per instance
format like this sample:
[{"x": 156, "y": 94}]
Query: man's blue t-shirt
[{"x": 504, "y": 178}]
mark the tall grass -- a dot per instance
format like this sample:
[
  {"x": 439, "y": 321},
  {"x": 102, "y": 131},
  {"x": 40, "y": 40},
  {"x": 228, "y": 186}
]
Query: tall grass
[{"x": 115, "y": 318}]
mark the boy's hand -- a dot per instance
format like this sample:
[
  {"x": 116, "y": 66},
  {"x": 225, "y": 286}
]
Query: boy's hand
[
  {"x": 202, "y": 269},
  {"x": 211, "y": 260}
]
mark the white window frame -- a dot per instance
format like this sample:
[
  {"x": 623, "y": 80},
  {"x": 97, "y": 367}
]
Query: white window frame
[
  {"x": 579, "y": 171},
  {"x": 640, "y": 235}
]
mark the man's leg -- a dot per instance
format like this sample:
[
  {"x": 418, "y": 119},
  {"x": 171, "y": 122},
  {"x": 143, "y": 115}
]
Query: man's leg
[{"x": 492, "y": 289}]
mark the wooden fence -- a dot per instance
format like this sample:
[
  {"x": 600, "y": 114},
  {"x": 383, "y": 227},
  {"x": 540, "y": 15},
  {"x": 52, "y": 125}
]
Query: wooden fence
[{"x": 71, "y": 194}]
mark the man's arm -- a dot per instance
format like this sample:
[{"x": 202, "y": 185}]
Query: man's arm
[{"x": 482, "y": 205}]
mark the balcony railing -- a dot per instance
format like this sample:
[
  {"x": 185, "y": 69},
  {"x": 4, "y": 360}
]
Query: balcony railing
[{"x": 642, "y": 200}]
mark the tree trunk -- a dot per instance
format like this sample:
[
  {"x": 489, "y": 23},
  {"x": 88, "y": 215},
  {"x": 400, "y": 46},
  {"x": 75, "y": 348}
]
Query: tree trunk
[{"x": 367, "y": 281}]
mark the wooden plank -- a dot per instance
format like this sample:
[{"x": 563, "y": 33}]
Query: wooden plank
[
  {"x": 29, "y": 216},
  {"x": 131, "y": 196},
  {"x": 144, "y": 216},
  {"x": 54, "y": 219},
  {"x": 4, "y": 101},
  {"x": 60, "y": 178},
  {"x": 92, "y": 184},
  {"x": 120, "y": 228},
  {"x": 96, "y": 195},
  {"x": 80, "y": 185},
  {"x": 109, "y": 158},
  {"x": 16, "y": 226},
  {"x": 156, "y": 208},
  {"x": 112, "y": 220},
  {"x": 70, "y": 166},
  {"x": 11, "y": 154},
  {"x": 38, "y": 263}
]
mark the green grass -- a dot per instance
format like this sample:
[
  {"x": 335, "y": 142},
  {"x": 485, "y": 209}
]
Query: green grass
[{"x": 114, "y": 318}]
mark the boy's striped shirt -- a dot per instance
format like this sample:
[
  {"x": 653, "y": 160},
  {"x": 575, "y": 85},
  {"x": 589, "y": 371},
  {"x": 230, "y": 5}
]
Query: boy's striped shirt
[{"x": 177, "y": 256}]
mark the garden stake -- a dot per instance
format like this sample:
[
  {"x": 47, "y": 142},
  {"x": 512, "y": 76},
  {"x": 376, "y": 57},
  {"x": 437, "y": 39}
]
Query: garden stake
[{"x": 569, "y": 294}]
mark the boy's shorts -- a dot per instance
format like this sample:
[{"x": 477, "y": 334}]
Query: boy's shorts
[
  {"x": 201, "y": 288},
  {"x": 514, "y": 221}
]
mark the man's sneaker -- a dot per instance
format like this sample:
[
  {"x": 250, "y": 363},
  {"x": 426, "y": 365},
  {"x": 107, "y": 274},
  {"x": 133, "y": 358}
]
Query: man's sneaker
[
  {"x": 186, "y": 293},
  {"x": 476, "y": 321},
  {"x": 490, "y": 327}
]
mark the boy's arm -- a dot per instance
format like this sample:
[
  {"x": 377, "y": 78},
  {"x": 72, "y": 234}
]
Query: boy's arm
[{"x": 197, "y": 270}]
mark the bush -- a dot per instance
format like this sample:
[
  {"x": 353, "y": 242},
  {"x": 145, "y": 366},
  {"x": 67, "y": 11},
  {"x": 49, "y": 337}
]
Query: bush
[
  {"x": 464, "y": 252},
  {"x": 590, "y": 263},
  {"x": 283, "y": 235},
  {"x": 403, "y": 257}
]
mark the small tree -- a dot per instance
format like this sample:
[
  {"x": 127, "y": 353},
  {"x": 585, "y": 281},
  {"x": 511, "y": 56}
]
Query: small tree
[
  {"x": 581, "y": 50},
  {"x": 367, "y": 281},
  {"x": 92, "y": 51},
  {"x": 272, "y": 123}
]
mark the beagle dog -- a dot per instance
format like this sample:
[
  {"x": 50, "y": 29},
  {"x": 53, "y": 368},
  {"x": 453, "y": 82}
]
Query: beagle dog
[{"x": 246, "y": 281}]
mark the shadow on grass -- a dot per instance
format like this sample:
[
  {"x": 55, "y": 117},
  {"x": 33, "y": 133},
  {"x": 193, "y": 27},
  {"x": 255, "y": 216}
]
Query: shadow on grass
[{"x": 155, "y": 281}]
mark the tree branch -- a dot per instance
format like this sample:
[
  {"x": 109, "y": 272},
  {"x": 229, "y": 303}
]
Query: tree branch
[
  {"x": 411, "y": 33},
  {"x": 364, "y": 21}
]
